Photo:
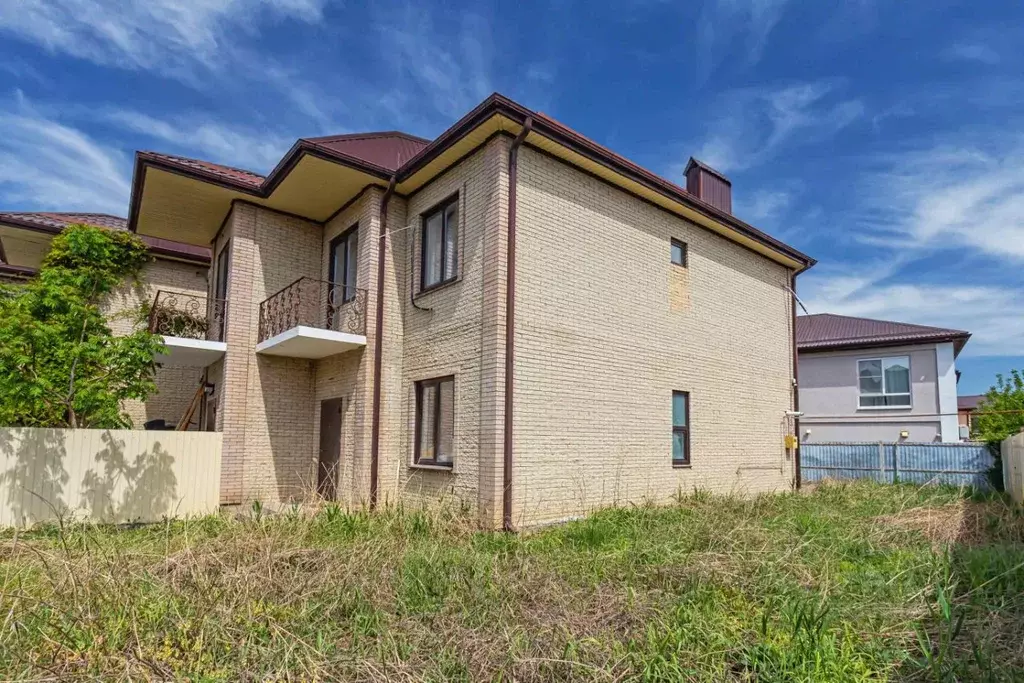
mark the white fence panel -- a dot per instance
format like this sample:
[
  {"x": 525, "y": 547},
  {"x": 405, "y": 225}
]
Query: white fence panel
[
  {"x": 1013, "y": 466},
  {"x": 107, "y": 475}
]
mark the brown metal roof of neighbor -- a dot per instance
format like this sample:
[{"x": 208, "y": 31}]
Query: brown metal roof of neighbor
[
  {"x": 968, "y": 402},
  {"x": 388, "y": 149},
  {"x": 54, "y": 221},
  {"x": 830, "y": 331}
]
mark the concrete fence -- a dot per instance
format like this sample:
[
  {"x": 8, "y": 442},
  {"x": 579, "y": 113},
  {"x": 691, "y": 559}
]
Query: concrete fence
[
  {"x": 106, "y": 475},
  {"x": 958, "y": 464},
  {"x": 1013, "y": 466}
]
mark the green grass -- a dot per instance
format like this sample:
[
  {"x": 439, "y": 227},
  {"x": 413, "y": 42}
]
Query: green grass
[{"x": 849, "y": 583}]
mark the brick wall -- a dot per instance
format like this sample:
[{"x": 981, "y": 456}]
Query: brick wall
[
  {"x": 607, "y": 328},
  {"x": 176, "y": 386},
  {"x": 265, "y": 408},
  {"x": 453, "y": 330}
]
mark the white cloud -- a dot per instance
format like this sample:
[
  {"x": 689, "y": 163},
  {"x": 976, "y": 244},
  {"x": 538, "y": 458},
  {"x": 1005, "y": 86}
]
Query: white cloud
[
  {"x": 172, "y": 37},
  {"x": 220, "y": 142},
  {"x": 764, "y": 206},
  {"x": 972, "y": 52},
  {"x": 725, "y": 23},
  {"x": 47, "y": 165},
  {"x": 446, "y": 64},
  {"x": 951, "y": 196},
  {"x": 752, "y": 125}
]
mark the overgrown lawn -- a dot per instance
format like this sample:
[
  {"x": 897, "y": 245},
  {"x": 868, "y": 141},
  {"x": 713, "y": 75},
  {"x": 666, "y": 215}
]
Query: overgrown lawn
[{"x": 850, "y": 582}]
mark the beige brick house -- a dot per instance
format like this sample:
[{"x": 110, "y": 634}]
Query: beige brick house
[
  {"x": 509, "y": 317},
  {"x": 177, "y": 270}
]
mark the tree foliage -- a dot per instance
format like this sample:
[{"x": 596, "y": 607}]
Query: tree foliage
[
  {"x": 60, "y": 363},
  {"x": 1001, "y": 412}
]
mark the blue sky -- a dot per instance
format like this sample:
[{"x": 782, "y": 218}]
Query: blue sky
[{"x": 884, "y": 138}]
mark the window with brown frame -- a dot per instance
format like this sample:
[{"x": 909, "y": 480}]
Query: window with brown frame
[
  {"x": 435, "y": 421},
  {"x": 439, "y": 245},
  {"x": 680, "y": 428},
  {"x": 679, "y": 253}
]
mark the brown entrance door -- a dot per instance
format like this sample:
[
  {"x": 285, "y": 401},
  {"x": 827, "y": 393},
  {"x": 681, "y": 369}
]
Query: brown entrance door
[{"x": 330, "y": 448}]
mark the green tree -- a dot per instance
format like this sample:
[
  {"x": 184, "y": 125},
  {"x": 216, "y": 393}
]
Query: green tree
[
  {"x": 1001, "y": 412},
  {"x": 60, "y": 364}
]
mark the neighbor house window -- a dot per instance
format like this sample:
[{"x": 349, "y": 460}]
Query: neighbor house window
[
  {"x": 884, "y": 382},
  {"x": 343, "y": 265},
  {"x": 435, "y": 421},
  {"x": 440, "y": 240},
  {"x": 679, "y": 253},
  {"x": 680, "y": 428}
]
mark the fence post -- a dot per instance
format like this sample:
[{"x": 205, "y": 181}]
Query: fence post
[
  {"x": 895, "y": 462},
  {"x": 881, "y": 461}
]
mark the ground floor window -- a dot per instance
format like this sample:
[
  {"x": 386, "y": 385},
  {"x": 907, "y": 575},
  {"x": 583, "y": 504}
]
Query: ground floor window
[
  {"x": 680, "y": 428},
  {"x": 435, "y": 421}
]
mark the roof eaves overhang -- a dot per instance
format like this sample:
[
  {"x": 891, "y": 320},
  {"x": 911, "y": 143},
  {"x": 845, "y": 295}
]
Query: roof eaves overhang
[
  {"x": 157, "y": 247},
  {"x": 261, "y": 194},
  {"x": 958, "y": 341},
  {"x": 678, "y": 200}
]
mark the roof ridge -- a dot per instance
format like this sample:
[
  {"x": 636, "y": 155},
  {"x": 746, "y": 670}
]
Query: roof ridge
[{"x": 369, "y": 135}]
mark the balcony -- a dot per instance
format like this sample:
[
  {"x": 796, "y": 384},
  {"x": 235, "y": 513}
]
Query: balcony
[
  {"x": 192, "y": 328},
  {"x": 312, "y": 319}
]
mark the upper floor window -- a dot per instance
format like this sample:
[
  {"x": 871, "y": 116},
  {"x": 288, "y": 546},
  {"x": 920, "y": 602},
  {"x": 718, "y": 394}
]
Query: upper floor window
[
  {"x": 884, "y": 382},
  {"x": 440, "y": 240},
  {"x": 680, "y": 428},
  {"x": 435, "y": 421},
  {"x": 679, "y": 253},
  {"x": 344, "y": 263}
]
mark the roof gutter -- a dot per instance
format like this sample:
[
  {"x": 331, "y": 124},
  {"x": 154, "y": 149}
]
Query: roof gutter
[
  {"x": 510, "y": 321},
  {"x": 378, "y": 343}
]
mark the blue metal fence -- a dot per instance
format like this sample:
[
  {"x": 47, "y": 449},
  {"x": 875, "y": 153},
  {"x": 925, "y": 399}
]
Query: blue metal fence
[{"x": 959, "y": 464}]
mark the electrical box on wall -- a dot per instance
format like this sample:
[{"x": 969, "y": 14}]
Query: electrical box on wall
[{"x": 791, "y": 441}]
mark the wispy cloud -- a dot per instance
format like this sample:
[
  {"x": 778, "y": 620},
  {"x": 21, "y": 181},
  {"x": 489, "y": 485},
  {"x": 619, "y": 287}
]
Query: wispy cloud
[
  {"x": 951, "y": 196},
  {"x": 751, "y": 125},
  {"x": 173, "y": 37},
  {"x": 724, "y": 24},
  {"x": 446, "y": 64},
  {"x": 764, "y": 206},
  {"x": 45, "y": 164},
  {"x": 972, "y": 52},
  {"x": 236, "y": 145}
]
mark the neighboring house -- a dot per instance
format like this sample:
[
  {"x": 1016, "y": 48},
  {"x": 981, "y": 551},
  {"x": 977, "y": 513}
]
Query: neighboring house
[
  {"x": 509, "y": 317},
  {"x": 180, "y": 270},
  {"x": 875, "y": 380},
  {"x": 966, "y": 406}
]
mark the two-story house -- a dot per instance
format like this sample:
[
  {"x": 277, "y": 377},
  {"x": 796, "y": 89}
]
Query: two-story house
[
  {"x": 175, "y": 276},
  {"x": 510, "y": 317},
  {"x": 864, "y": 380}
]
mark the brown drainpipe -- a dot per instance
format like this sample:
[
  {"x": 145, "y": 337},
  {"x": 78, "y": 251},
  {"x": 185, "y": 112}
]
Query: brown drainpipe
[
  {"x": 510, "y": 320},
  {"x": 796, "y": 383},
  {"x": 378, "y": 343}
]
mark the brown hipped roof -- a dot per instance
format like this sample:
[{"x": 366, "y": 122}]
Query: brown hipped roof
[
  {"x": 386, "y": 156},
  {"x": 825, "y": 331},
  {"x": 53, "y": 222}
]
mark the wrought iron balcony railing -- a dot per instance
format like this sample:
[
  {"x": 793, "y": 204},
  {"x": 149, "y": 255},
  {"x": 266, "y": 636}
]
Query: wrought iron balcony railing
[
  {"x": 314, "y": 303},
  {"x": 175, "y": 314}
]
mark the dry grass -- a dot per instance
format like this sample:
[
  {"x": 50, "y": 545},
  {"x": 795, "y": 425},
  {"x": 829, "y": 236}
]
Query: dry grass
[{"x": 841, "y": 584}]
